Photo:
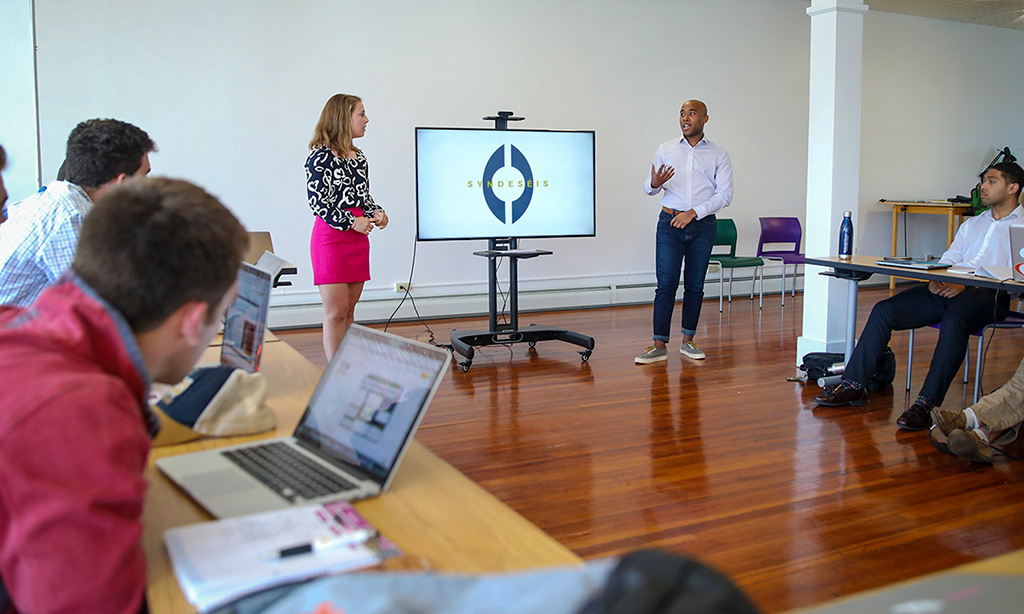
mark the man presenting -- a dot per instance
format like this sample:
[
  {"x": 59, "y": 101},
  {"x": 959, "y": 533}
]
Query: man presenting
[
  {"x": 156, "y": 266},
  {"x": 983, "y": 240},
  {"x": 686, "y": 225},
  {"x": 37, "y": 242}
]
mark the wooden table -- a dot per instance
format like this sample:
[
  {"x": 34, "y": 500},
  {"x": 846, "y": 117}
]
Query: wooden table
[
  {"x": 859, "y": 268},
  {"x": 954, "y": 213},
  {"x": 431, "y": 510}
]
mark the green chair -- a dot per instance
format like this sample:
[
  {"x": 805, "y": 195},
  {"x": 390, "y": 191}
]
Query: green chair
[{"x": 725, "y": 236}]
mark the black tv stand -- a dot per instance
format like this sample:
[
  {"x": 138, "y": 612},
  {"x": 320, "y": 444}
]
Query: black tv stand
[{"x": 463, "y": 341}]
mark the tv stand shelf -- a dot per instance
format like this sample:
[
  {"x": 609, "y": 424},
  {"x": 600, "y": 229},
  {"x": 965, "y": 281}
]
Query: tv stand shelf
[{"x": 504, "y": 334}]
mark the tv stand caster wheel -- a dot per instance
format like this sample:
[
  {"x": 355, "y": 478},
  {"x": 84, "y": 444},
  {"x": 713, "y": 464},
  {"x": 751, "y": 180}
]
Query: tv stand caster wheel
[
  {"x": 533, "y": 344},
  {"x": 585, "y": 355},
  {"x": 465, "y": 365}
]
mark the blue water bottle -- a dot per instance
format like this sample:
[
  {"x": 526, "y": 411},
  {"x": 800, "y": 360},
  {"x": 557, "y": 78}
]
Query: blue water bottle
[{"x": 846, "y": 237}]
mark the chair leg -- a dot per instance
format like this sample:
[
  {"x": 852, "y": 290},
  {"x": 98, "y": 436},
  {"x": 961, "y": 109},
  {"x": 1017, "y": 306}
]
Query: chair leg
[
  {"x": 977, "y": 370},
  {"x": 910, "y": 356},
  {"x": 794, "y": 280},
  {"x": 730, "y": 284},
  {"x": 721, "y": 287},
  {"x": 752, "y": 284},
  {"x": 967, "y": 361},
  {"x": 760, "y": 298}
]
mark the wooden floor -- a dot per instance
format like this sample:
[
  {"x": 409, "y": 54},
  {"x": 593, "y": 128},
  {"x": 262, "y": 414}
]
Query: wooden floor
[{"x": 723, "y": 459}]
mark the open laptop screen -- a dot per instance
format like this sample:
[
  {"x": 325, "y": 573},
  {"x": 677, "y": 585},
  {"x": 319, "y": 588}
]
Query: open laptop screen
[
  {"x": 245, "y": 322},
  {"x": 371, "y": 399}
]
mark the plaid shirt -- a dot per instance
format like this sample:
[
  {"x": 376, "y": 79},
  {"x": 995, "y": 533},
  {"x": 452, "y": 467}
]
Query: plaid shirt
[{"x": 37, "y": 242}]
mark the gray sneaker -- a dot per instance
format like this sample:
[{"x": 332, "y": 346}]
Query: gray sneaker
[
  {"x": 690, "y": 350},
  {"x": 651, "y": 354}
]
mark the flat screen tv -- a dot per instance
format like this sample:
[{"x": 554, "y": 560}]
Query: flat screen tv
[{"x": 475, "y": 183}]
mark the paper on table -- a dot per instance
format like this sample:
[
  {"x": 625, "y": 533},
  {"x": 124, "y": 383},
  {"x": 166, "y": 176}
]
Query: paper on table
[
  {"x": 216, "y": 562},
  {"x": 996, "y": 272}
]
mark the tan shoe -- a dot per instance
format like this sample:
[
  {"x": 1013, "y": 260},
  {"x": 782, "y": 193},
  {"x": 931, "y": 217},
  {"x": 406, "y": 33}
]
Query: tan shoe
[
  {"x": 968, "y": 445},
  {"x": 948, "y": 420}
]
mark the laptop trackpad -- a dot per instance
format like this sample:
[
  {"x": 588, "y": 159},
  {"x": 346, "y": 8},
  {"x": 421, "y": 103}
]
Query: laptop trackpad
[{"x": 219, "y": 483}]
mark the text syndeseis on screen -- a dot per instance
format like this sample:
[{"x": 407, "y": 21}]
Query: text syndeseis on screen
[{"x": 488, "y": 183}]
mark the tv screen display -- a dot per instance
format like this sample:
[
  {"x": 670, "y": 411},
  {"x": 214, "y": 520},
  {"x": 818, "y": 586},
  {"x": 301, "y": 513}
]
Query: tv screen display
[{"x": 491, "y": 184}]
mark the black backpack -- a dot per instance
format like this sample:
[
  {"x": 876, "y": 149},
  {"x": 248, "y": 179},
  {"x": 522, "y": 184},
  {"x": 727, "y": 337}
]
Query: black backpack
[{"x": 816, "y": 364}]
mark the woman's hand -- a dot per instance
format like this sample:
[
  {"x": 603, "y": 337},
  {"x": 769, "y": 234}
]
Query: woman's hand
[
  {"x": 362, "y": 225},
  {"x": 380, "y": 219}
]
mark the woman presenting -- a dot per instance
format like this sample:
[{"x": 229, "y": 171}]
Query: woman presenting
[{"x": 338, "y": 185}]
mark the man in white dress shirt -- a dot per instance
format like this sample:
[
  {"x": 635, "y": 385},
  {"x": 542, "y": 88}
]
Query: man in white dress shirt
[
  {"x": 686, "y": 225},
  {"x": 983, "y": 240}
]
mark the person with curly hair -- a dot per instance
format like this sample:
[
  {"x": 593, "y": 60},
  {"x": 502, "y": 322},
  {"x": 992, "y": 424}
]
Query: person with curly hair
[{"x": 38, "y": 240}]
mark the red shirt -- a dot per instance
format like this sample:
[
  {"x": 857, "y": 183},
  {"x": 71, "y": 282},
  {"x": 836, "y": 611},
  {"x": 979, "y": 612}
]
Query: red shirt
[{"x": 73, "y": 446}]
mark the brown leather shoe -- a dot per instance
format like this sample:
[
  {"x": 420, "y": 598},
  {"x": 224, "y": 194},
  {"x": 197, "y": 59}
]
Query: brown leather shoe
[
  {"x": 949, "y": 420},
  {"x": 839, "y": 395},
  {"x": 968, "y": 445},
  {"x": 916, "y": 418}
]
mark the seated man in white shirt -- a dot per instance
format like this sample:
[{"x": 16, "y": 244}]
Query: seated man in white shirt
[
  {"x": 38, "y": 240},
  {"x": 983, "y": 240}
]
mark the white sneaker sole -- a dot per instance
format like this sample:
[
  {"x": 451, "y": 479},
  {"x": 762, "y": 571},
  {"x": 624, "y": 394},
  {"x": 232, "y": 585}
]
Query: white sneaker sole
[{"x": 700, "y": 356}]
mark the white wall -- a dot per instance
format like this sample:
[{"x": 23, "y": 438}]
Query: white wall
[
  {"x": 230, "y": 91},
  {"x": 18, "y": 132},
  {"x": 940, "y": 98}
]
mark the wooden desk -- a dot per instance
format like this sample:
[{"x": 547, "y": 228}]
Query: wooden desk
[
  {"x": 431, "y": 510},
  {"x": 954, "y": 213},
  {"x": 858, "y": 268}
]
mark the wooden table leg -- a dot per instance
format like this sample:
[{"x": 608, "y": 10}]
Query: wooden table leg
[{"x": 895, "y": 229}]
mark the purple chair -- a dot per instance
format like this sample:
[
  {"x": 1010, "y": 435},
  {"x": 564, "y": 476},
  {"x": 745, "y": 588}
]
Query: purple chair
[{"x": 782, "y": 230}]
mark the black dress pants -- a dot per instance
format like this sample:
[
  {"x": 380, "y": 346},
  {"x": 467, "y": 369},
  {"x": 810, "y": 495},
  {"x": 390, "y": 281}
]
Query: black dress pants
[{"x": 957, "y": 317}]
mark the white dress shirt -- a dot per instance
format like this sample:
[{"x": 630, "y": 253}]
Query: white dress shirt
[
  {"x": 982, "y": 241},
  {"x": 703, "y": 177}
]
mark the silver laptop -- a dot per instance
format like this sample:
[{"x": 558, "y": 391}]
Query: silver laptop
[
  {"x": 245, "y": 322},
  {"x": 1017, "y": 251},
  {"x": 906, "y": 263},
  {"x": 348, "y": 444}
]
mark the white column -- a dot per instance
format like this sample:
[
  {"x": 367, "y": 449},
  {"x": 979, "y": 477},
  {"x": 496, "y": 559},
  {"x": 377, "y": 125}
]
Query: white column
[
  {"x": 833, "y": 163},
  {"x": 19, "y": 117}
]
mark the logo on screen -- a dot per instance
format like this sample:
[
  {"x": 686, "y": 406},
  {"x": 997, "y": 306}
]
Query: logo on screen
[{"x": 495, "y": 203}]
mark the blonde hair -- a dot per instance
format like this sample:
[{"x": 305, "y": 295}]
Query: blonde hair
[{"x": 334, "y": 128}]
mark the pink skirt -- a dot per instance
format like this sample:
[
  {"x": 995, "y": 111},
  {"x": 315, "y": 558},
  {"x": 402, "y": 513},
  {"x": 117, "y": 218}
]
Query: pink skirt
[{"x": 339, "y": 257}]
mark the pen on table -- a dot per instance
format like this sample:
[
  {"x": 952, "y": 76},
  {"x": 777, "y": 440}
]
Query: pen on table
[{"x": 323, "y": 544}]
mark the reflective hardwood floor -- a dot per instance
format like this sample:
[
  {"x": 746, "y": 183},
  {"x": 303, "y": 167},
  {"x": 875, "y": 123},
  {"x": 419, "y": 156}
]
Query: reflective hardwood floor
[{"x": 722, "y": 459}]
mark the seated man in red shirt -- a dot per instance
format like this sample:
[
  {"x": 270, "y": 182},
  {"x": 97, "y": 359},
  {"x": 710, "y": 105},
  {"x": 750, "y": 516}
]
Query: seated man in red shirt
[{"x": 156, "y": 266}]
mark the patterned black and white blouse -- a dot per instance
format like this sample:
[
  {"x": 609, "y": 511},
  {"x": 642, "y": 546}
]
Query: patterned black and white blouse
[{"x": 334, "y": 184}]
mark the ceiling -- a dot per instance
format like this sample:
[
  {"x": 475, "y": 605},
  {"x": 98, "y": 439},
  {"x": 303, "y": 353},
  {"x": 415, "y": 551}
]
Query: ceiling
[{"x": 998, "y": 13}]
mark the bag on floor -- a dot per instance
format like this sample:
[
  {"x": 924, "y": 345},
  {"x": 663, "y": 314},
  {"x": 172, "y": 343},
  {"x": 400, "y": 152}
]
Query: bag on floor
[
  {"x": 817, "y": 364},
  {"x": 885, "y": 371}
]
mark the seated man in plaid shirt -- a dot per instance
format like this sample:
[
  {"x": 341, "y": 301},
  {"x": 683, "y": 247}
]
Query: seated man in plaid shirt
[{"x": 38, "y": 240}]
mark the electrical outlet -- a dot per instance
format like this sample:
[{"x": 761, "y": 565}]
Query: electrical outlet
[
  {"x": 401, "y": 286},
  {"x": 713, "y": 267}
]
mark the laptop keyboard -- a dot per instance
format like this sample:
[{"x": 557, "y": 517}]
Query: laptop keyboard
[{"x": 287, "y": 472}]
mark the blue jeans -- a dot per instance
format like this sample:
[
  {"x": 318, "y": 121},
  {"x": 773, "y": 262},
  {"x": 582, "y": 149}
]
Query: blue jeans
[{"x": 690, "y": 245}]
